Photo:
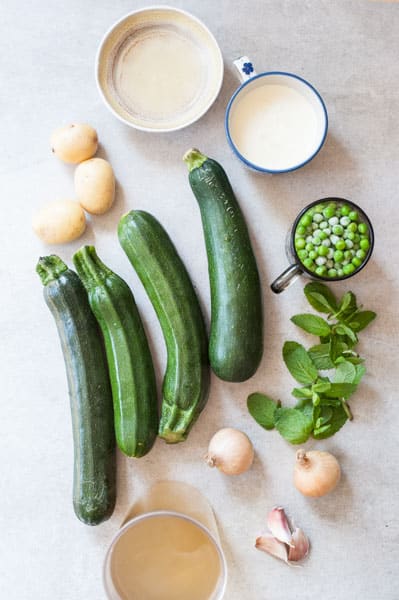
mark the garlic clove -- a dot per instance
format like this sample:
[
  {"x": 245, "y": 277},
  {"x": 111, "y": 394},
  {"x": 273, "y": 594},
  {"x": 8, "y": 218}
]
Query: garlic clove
[
  {"x": 300, "y": 547},
  {"x": 268, "y": 543},
  {"x": 277, "y": 522}
]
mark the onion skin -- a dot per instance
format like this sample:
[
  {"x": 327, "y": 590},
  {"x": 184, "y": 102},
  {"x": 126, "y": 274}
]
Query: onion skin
[
  {"x": 316, "y": 473},
  {"x": 231, "y": 451}
]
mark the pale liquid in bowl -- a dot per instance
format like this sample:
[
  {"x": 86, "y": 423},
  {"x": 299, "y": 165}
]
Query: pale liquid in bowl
[
  {"x": 158, "y": 74},
  {"x": 275, "y": 127},
  {"x": 165, "y": 557}
]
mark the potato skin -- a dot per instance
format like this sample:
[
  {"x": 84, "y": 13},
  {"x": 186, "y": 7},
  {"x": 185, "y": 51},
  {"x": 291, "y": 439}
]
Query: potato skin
[
  {"x": 95, "y": 185},
  {"x": 74, "y": 143},
  {"x": 59, "y": 222}
]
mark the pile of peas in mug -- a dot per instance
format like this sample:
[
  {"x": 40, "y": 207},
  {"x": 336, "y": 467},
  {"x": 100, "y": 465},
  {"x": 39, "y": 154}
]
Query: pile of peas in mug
[{"x": 331, "y": 240}]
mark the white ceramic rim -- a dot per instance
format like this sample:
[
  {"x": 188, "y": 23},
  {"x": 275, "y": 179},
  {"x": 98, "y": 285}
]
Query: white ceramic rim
[
  {"x": 144, "y": 10},
  {"x": 169, "y": 513}
]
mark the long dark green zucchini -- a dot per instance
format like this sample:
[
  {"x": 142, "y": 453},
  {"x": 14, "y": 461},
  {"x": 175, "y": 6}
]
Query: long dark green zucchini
[
  {"x": 89, "y": 391},
  {"x": 129, "y": 358},
  {"x": 236, "y": 338},
  {"x": 167, "y": 283}
]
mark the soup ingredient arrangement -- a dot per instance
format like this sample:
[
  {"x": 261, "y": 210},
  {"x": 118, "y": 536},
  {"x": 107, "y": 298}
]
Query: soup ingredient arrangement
[
  {"x": 109, "y": 365},
  {"x": 322, "y": 407}
]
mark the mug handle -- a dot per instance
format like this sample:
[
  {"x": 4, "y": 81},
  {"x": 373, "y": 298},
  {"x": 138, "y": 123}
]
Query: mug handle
[
  {"x": 245, "y": 68},
  {"x": 286, "y": 278}
]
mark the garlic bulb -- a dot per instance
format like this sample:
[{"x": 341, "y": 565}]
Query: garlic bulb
[
  {"x": 231, "y": 451},
  {"x": 316, "y": 473}
]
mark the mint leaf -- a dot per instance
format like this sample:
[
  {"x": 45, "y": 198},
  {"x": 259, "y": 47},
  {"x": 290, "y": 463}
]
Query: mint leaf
[
  {"x": 361, "y": 320},
  {"x": 312, "y": 324},
  {"x": 320, "y": 297},
  {"x": 343, "y": 329},
  {"x": 299, "y": 363},
  {"x": 345, "y": 372},
  {"x": 360, "y": 371},
  {"x": 337, "y": 347},
  {"x": 341, "y": 390},
  {"x": 338, "y": 419},
  {"x": 348, "y": 301},
  {"x": 293, "y": 425},
  {"x": 262, "y": 409},
  {"x": 320, "y": 355},
  {"x": 323, "y": 386},
  {"x": 303, "y": 392}
]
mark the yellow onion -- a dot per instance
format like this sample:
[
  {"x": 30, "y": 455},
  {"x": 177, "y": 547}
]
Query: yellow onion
[{"x": 316, "y": 473}]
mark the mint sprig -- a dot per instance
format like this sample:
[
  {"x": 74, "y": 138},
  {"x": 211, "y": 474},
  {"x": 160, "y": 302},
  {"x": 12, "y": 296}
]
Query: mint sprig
[{"x": 329, "y": 371}]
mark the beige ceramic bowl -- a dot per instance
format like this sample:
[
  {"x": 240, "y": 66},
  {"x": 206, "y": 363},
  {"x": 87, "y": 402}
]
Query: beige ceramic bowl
[{"x": 174, "y": 65}]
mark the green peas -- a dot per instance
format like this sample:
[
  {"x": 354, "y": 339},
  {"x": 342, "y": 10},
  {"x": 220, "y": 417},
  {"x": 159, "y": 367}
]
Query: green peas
[
  {"x": 356, "y": 261},
  {"x": 322, "y": 235},
  {"x": 316, "y": 241},
  {"x": 301, "y": 230},
  {"x": 321, "y": 270},
  {"x": 323, "y": 225},
  {"x": 302, "y": 254},
  {"x": 329, "y": 211},
  {"x": 348, "y": 255},
  {"x": 362, "y": 228},
  {"x": 332, "y": 272},
  {"x": 356, "y": 239},
  {"x": 348, "y": 269},
  {"x": 306, "y": 220},
  {"x": 353, "y": 215},
  {"x": 364, "y": 244},
  {"x": 361, "y": 254},
  {"x": 352, "y": 227},
  {"x": 309, "y": 247},
  {"x": 300, "y": 243},
  {"x": 350, "y": 236},
  {"x": 338, "y": 229},
  {"x": 313, "y": 254},
  {"x": 345, "y": 210},
  {"x": 309, "y": 264},
  {"x": 322, "y": 250},
  {"x": 338, "y": 256},
  {"x": 317, "y": 218},
  {"x": 340, "y": 245}
]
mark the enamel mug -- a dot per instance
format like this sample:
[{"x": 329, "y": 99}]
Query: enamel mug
[
  {"x": 296, "y": 266},
  {"x": 275, "y": 122}
]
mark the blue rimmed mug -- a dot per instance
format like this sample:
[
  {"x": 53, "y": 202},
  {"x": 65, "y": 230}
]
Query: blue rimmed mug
[{"x": 276, "y": 122}]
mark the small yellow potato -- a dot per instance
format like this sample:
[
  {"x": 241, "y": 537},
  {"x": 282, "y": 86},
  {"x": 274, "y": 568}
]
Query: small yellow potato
[
  {"x": 74, "y": 143},
  {"x": 95, "y": 185},
  {"x": 59, "y": 222}
]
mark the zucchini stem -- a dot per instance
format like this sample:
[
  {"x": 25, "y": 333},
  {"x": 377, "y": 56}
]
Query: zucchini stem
[
  {"x": 90, "y": 268},
  {"x": 194, "y": 159},
  {"x": 50, "y": 268}
]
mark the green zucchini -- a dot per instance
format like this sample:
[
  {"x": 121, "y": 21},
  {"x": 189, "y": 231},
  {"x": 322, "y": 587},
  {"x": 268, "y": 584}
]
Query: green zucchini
[
  {"x": 94, "y": 481},
  {"x": 167, "y": 283},
  {"x": 128, "y": 354},
  {"x": 236, "y": 336}
]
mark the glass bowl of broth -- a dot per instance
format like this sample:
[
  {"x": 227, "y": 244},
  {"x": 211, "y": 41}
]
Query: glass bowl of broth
[{"x": 162, "y": 555}]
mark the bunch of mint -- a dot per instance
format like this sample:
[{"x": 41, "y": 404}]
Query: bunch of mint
[{"x": 322, "y": 407}]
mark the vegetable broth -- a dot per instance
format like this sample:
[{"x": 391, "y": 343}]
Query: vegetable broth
[{"x": 165, "y": 557}]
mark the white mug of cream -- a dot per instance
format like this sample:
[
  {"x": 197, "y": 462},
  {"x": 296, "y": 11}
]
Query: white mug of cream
[
  {"x": 159, "y": 69},
  {"x": 275, "y": 121}
]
